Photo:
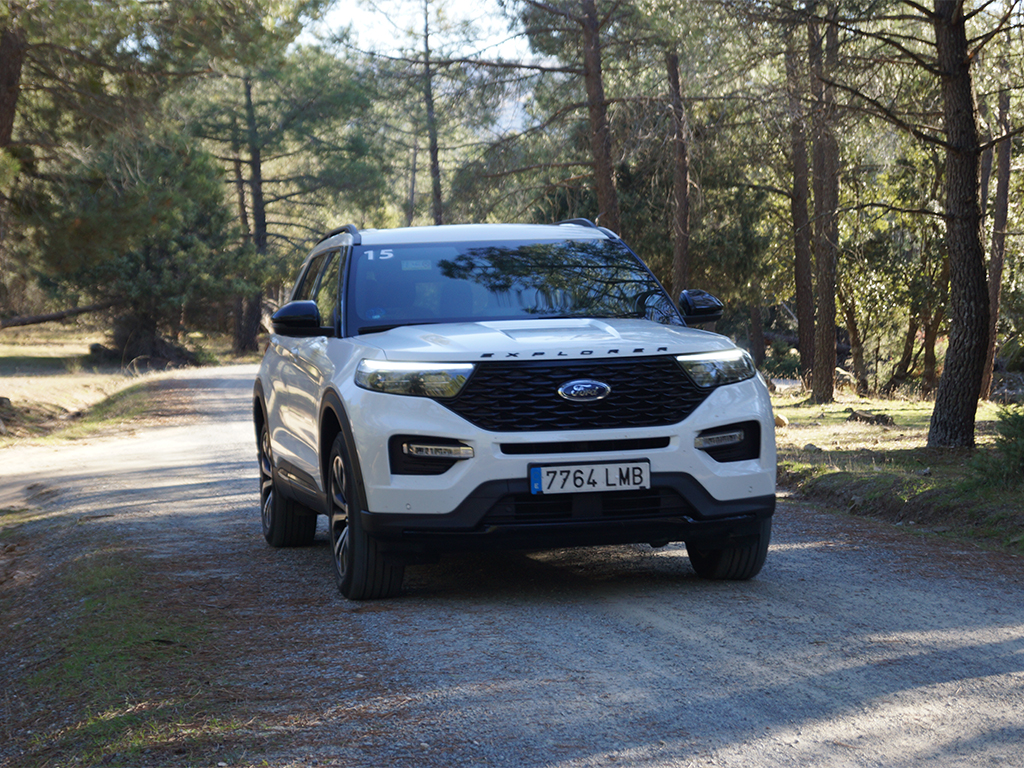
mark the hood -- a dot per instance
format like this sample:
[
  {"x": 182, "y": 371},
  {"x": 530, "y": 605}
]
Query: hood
[{"x": 554, "y": 339}]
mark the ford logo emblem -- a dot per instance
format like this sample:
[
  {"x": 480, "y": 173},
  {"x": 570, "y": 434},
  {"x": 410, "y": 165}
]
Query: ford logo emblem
[{"x": 584, "y": 390}]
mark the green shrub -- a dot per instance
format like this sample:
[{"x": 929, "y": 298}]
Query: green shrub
[
  {"x": 782, "y": 361},
  {"x": 1005, "y": 464},
  {"x": 1011, "y": 352}
]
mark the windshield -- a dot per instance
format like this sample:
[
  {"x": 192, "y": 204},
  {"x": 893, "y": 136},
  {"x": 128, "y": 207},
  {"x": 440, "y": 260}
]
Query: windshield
[{"x": 468, "y": 282}]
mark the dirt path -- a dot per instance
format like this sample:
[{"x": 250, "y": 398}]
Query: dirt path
[{"x": 858, "y": 645}]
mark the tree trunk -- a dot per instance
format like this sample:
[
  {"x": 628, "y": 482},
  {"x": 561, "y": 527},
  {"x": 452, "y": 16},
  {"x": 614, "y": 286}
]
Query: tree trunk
[
  {"x": 251, "y": 312},
  {"x": 757, "y": 334},
  {"x": 802, "y": 271},
  {"x": 239, "y": 329},
  {"x": 986, "y": 158},
  {"x": 901, "y": 371},
  {"x": 49, "y": 317},
  {"x": 241, "y": 340},
  {"x": 860, "y": 369},
  {"x": 252, "y": 321},
  {"x": 259, "y": 208},
  {"x": 952, "y": 423},
  {"x": 13, "y": 46},
  {"x": 929, "y": 374},
  {"x": 826, "y": 207},
  {"x": 410, "y": 208},
  {"x": 243, "y": 210},
  {"x": 600, "y": 133},
  {"x": 681, "y": 182},
  {"x": 999, "y": 217},
  {"x": 436, "y": 206}
]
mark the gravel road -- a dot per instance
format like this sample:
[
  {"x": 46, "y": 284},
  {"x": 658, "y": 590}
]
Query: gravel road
[{"x": 858, "y": 644}]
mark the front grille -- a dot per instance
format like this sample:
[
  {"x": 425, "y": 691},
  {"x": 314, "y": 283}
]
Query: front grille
[
  {"x": 523, "y": 396},
  {"x": 586, "y": 446},
  {"x": 607, "y": 506}
]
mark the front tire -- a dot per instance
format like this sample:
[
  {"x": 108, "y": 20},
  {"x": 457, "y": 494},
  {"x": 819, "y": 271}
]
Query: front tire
[
  {"x": 285, "y": 522},
  {"x": 361, "y": 570},
  {"x": 732, "y": 563}
]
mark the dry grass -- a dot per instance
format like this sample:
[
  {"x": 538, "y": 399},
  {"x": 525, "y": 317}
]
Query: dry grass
[
  {"x": 51, "y": 385},
  {"x": 889, "y": 473},
  {"x": 48, "y": 376}
]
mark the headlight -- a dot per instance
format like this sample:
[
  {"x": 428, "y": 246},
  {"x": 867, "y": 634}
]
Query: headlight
[
  {"x": 421, "y": 379},
  {"x": 713, "y": 369}
]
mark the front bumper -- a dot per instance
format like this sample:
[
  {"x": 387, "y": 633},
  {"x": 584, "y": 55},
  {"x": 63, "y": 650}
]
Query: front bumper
[{"x": 503, "y": 514}]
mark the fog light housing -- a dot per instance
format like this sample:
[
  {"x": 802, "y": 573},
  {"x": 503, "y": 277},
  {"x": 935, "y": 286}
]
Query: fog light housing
[
  {"x": 734, "y": 442},
  {"x": 419, "y": 455}
]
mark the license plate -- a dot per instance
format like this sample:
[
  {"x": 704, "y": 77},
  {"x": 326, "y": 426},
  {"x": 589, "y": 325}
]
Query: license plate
[{"x": 582, "y": 478}]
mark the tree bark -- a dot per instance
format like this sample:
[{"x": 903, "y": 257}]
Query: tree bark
[
  {"x": 242, "y": 340},
  {"x": 243, "y": 210},
  {"x": 13, "y": 46},
  {"x": 436, "y": 202},
  {"x": 681, "y": 181},
  {"x": 952, "y": 423},
  {"x": 999, "y": 217},
  {"x": 600, "y": 133},
  {"x": 251, "y": 308},
  {"x": 252, "y": 321},
  {"x": 986, "y": 158},
  {"x": 930, "y": 373},
  {"x": 50, "y": 317},
  {"x": 757, "y": 344},
  {"x": 860, "y": 369},
  {"x": 901, "y": 371},
  {"x": 259, "y": 208},
  {"x": 410, "y": 206},
  {"x": 823, "y": 51},
  {"x": 802, "y": 267}
]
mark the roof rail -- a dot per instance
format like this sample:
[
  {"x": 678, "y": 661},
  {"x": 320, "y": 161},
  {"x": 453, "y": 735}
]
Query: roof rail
[
  {"x": 592, "y": 225},
  {"x": 579, "y": 223},
  {"x": 350, "y": 228}
]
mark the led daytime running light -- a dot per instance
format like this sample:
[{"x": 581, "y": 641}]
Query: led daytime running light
[
  {"x": 719, "y": 440},
  {"x": 427, "y": 451}
]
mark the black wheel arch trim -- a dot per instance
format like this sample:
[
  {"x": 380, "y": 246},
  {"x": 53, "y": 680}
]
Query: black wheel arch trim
[
  {"x": 259, "y": 407},
  {"x": 332, "y": 408}
]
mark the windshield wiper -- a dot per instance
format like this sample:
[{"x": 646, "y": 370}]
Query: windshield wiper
[{"x": 387, "y": 327}]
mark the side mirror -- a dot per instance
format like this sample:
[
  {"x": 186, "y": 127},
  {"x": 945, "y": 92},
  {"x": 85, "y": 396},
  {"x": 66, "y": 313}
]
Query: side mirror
[
  {"x": 297, "y": 318},
  {"x": 700, "y": 307}
]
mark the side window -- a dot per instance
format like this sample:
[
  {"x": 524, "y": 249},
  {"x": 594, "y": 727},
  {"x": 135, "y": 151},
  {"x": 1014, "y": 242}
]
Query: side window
[
  {"x": 307, "y": 285},
  {"x": 327, "y": 291}
]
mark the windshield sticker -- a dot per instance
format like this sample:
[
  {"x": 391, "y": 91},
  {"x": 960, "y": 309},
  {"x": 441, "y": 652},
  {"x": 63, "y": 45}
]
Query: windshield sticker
[{"x": 417, "y": 265}]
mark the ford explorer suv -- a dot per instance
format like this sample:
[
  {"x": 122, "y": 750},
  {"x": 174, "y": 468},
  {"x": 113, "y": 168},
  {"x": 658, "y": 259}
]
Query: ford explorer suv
[{"x": 434, "y": 389}]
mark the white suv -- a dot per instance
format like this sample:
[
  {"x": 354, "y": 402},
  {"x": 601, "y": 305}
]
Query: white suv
[{"x": 514, "y": 386}]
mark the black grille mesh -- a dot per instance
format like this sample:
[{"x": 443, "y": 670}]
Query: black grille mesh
[
  {"x": 523, "y": 396},
  {"x": 651, "y": 503}
]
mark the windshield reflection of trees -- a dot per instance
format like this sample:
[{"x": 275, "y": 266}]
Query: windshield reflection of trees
[{"x": 577, "y": 279}]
